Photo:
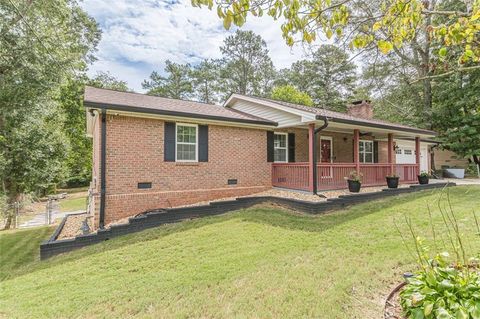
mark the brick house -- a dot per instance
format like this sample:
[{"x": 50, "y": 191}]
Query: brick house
[{"x": 152, "y": 152}]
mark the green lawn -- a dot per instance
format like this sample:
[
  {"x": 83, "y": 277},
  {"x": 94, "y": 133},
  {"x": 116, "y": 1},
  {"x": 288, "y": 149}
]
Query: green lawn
[
  {"x": 259, "y": 262},
  {"x": 73, "y": 204},
  {"x": 19, "y": 248}
]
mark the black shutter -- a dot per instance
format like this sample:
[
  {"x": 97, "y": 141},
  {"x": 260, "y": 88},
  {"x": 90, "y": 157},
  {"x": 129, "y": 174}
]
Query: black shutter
[
  {"x": 270, "y": 138},
  {"x": 169, "y": 142},
  {"x": 203, "y": 143},
  {"x": 291, "y": 147},
  {"x": 375, "y": 152}
]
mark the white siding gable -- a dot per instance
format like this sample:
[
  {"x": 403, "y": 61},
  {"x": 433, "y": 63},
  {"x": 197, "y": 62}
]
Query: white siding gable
[{"x": 284, "y": 119}]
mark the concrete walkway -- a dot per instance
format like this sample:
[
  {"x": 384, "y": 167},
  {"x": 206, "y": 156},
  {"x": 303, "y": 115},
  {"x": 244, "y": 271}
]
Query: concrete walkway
[
  {"x": 40, "y": 220},
  {"x": 458, "y": 181}
]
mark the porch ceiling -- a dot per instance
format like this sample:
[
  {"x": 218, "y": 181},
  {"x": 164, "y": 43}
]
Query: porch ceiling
[
  {"x": 302, "y": 116},
  {"x": 378, "y": 132}
]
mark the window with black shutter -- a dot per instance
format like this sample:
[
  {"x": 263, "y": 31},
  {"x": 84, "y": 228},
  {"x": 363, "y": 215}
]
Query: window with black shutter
[
  {"x": 169, "y": 142},
  {"x": 270, "y": 136},
  {"x": 203, "y": 143},
  {"x": 291, "y": 147},
  {"x": 185, "y": 142}
]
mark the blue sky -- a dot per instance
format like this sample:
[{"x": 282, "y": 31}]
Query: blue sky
[{"x": 138, "y": 36}]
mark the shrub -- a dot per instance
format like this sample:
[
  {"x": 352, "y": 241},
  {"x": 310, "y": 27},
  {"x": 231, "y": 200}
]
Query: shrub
[
  {"x": 354, "y": 176},
  {"x": 442, "y": 290},
  {"x": 443, "y": 287},
  {"x": 424, "y": 174},
  {"x": 471, "y": 170}
]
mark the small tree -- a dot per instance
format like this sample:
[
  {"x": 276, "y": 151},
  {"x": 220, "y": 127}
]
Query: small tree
[
  {"x": 457, "y": 114},
  {"x": 205, "y": 78},
  {"x": 248, "y": 68},
  {"x": 288, "y": 93},
  {"x": 176, "y": 84}
]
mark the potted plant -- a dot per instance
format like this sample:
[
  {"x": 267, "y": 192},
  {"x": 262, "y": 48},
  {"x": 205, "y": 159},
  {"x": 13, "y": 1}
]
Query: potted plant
[
  {"x": 392, "y": 180},
  {"x": 423, "y": 178},
  {"x": 354, "y": 180}
]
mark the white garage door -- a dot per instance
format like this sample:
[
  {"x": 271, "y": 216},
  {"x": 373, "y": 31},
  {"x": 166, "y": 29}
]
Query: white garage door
[{"x": 405, "y": 154}]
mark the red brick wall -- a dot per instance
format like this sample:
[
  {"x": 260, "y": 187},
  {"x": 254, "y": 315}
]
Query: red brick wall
[
  {"x": 135, "y": 154},
  {"x": 363, "y": 110}
]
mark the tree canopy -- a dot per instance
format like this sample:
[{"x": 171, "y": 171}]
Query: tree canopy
[
  {"x": 288, "y": 93},
  {"x": 43, "y": 44},
  {"x": 387, "y": 25},
  {"x": 176, "y": 84},
  {"x": 328, "y": 77},
  {"x": 248, "y": 68},
  {"x": 457, "y": 114}
]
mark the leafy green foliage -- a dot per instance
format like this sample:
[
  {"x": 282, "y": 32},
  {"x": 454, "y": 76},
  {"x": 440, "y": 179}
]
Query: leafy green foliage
[
  {"x": 205, "y": 80},
  {"x": 43, "y": 43},
  {"x": 105, "y": 80},
  {"x": 248, "y": 68},
  {"x": 289, "y": 93},
  {"x": 457, "y": 114},
  {"x": 176, "y": 84},
  {"x": 442, "y": 290},
  {"x": 328, "y": 77},
  {"x": 79, "y": 155},
  {"x": 396, "y": 23}
]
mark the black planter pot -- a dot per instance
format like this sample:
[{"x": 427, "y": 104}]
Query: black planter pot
[
  {"x": 392, "y": 182},
  {"x": 422, "y": 180},
  {"x": 354, "y": 186}
]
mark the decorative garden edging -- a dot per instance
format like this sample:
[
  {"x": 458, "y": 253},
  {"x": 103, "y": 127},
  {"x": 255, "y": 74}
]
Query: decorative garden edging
[{"x": 154, "y": 218}]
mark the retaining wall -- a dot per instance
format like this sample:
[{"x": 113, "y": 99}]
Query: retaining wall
[{"x": 52, "y": 246}]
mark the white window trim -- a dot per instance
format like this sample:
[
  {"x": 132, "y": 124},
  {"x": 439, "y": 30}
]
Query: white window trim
[
  {"x": 286, "y": 146},
  {"x": 363, "y": 154},
  {"x": 329, "y": 138},
  {"x": 196, "y": 142}
]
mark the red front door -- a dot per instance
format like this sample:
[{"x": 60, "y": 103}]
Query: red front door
[{"x": 326, "y": 147}]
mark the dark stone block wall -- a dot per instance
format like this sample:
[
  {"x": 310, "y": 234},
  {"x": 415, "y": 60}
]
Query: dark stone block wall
[{"x": 156, "y": 218}]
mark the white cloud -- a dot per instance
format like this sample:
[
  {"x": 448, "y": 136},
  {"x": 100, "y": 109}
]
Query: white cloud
[{"x": 138, "y": 36}]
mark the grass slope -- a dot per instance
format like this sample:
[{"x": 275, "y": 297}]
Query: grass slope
[
  {"x": 259, "y": 262},
  {"x": 19, "y": 248},
  {"x": 73, "y": 204}
]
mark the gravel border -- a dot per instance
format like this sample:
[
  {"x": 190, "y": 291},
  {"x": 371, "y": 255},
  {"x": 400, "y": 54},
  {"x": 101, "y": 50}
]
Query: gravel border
[{"x": 72, "y": 225}]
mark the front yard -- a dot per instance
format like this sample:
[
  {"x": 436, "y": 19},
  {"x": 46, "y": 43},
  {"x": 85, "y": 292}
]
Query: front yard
[{"x": 263, "y": 262}]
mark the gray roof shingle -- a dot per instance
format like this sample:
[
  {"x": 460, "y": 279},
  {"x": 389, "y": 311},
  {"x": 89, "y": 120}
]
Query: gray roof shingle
[
  {"x": 344, "y": 116},
  {"x": 137, "y": 102}
]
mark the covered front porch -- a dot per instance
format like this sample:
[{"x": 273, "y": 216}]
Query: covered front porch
[{"x": 322, "y": 161}]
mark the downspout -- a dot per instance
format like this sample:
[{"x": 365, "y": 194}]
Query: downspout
[
  {"x": 317, "y": 130},
  {"x": 103, "y": 160}
]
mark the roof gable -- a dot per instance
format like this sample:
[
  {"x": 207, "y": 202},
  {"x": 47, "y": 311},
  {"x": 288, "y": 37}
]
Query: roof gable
[{"x": 320, "y": 113}]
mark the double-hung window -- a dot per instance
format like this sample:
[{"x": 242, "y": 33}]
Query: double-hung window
[
  {"x": 186, "y": 141},
  {"x": 280, "y": 147},
  {"x": 366, "y": 151}
]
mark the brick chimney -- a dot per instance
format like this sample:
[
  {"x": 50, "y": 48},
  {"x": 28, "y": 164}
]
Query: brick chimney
[{"x": 362, "y": 108}]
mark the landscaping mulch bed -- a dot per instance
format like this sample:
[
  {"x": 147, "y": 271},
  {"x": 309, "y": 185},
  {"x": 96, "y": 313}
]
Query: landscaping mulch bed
[
  {"x": 282, "y": 193},
  {"x": 73, "y": 225},
  {"x": 300, "y": 195}
]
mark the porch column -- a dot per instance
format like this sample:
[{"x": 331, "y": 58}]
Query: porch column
[
  {"x": 311, "y": 141},
  {"x": 356, "y": 154},
  {"x": 390, "y": 152},
  {"x": 417, "y": 153}
]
